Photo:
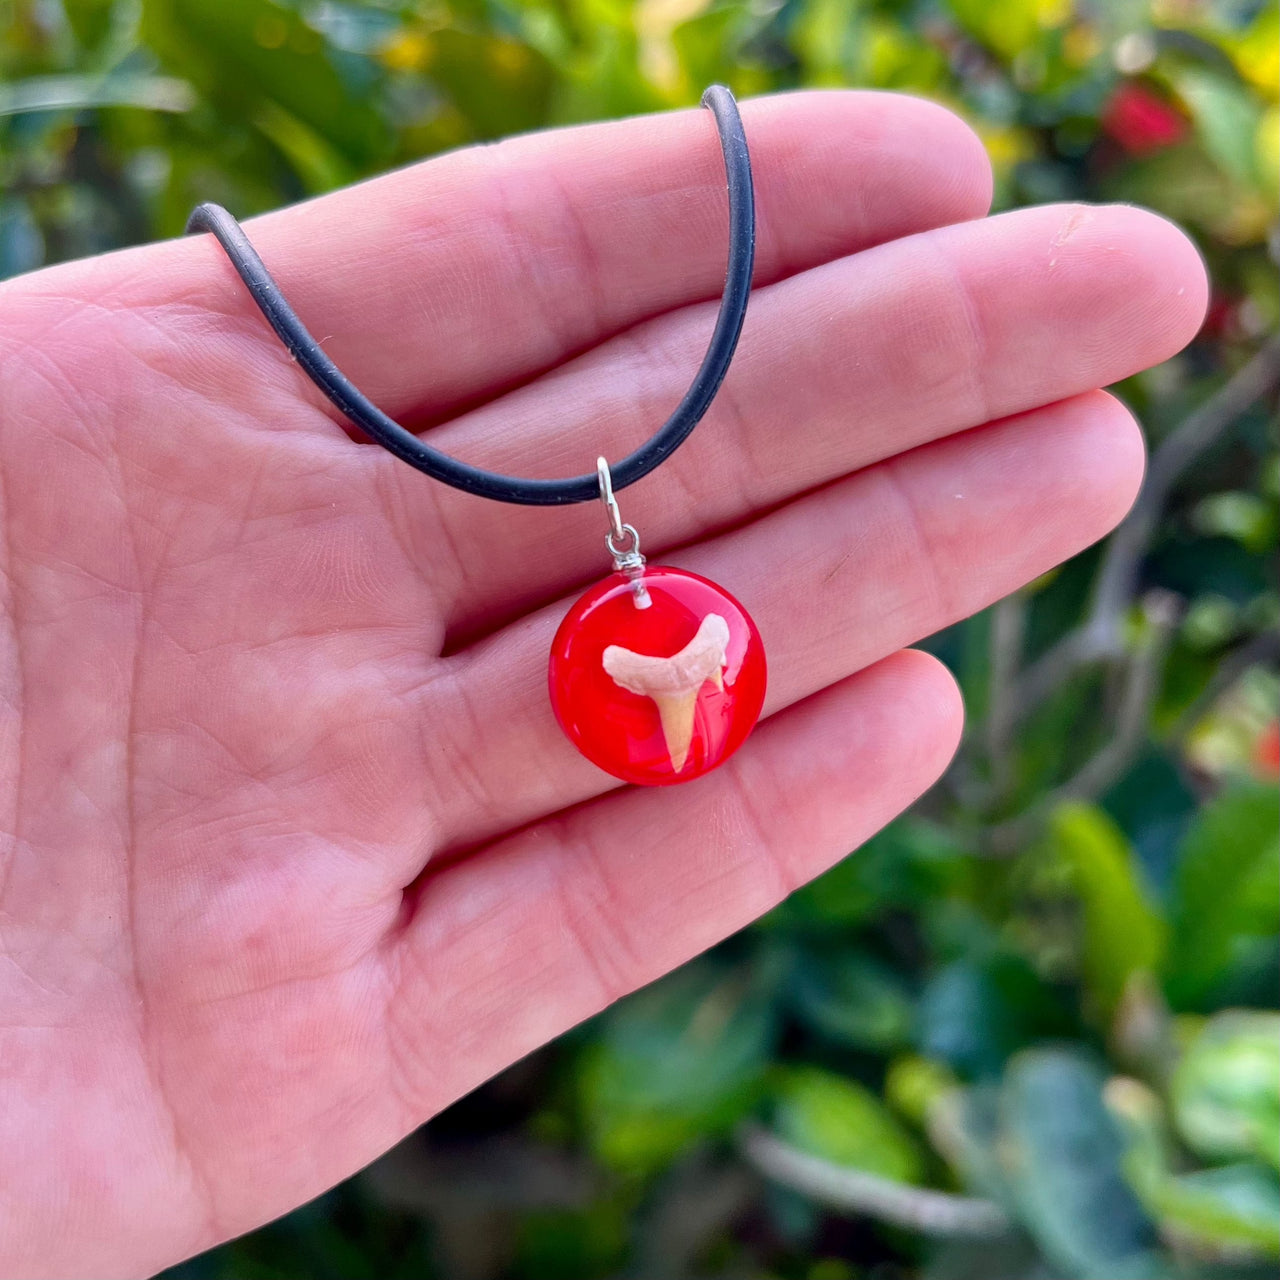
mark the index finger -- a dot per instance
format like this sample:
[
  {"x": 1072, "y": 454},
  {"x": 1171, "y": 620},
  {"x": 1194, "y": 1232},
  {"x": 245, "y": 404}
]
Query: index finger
[{"x": 446, "y": 282}]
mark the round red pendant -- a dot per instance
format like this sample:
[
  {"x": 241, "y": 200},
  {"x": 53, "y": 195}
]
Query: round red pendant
[{"x": 662, "y": 693}]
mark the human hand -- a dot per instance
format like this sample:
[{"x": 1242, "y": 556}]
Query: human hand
[{"x": 295, "y": 853}]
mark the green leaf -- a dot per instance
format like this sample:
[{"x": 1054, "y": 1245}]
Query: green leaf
[
  {"x": 1140, "y": 1115},
  {"x": 1123, "y": 934},
  {"x": 1266, "y": 153},
  {"x": 909, "y": 862},
  {"x": 702, "y": 42},
  {"x": 1255, "y": 48},
  {"x": 319, "y": 165},
  {"x": 1062, "y": 1152},
  {"x": 1247, "y": 517},
  {"x": 1226, "y": 119},
  {"x": 1237, "y": 1205},
  {"x": 500, "y": 85},
  {"x": 1226, "y": 1088},
  {"x": 964, "y": 1128},
  {"x": 571, "y": 1243},
  {"x": 82, "y": 93},
  {"x": 679, "y": 1060},
  {"x": 851, "y": 999},
  {"x": 914, "y": 1085},
  {"x": 90, "y": 20},
  {"x": 974, "y": 1013},
  {"x": 244, "y": 54},
  {"x": 21, "y": 244},
  {"x": 833, "y": 1117},
  {"x": 1007, "y": 28},
  {"x": 822, "y": 35},
  {"x": 1225, "y": 888}
]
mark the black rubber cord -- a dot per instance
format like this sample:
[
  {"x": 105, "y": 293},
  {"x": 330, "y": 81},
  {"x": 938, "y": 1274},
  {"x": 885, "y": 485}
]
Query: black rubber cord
[{"x": 488, "y": 484}]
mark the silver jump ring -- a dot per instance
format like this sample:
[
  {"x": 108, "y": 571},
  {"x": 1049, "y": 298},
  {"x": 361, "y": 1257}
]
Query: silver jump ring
[{"x": 625, "y": 532}]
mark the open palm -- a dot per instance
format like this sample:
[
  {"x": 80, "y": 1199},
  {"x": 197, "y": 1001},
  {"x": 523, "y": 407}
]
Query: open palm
[{"x": 293, "y": 851}]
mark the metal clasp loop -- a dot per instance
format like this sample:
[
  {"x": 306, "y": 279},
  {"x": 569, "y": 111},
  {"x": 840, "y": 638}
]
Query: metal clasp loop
[
  {"x": 605, "y": 480},
  {"x": 622, "y": 541}
]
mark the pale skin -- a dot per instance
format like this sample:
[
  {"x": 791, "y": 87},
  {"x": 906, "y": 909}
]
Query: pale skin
[{"x": 293, "y": 853}]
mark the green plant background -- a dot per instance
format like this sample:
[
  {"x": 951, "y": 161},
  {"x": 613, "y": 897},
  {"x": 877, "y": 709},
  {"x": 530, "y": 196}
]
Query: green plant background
[{"x": 1029, "y": 1031}]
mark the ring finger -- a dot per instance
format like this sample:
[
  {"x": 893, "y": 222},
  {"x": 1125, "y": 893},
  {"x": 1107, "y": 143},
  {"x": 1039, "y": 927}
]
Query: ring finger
[
  {"x": 836, "y": 580},
  {"x": 839, "y": 367}
]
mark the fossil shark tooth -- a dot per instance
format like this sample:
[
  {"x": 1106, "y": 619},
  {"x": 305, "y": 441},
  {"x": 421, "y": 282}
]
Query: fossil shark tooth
[{"x": 674, "y": 683}]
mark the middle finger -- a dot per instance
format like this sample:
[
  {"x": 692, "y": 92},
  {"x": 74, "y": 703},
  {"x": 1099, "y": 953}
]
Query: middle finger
[
  {"x": 839, "y": 367},
  {"x": 836, "y": 580}
]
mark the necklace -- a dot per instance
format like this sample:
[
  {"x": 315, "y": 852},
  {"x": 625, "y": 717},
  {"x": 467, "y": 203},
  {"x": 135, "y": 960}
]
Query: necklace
[{"x": 656, "y": 674}]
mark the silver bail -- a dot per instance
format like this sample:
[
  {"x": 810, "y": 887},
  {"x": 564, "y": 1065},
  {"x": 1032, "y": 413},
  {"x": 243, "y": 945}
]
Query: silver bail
[{"x": 622, "y": 541}]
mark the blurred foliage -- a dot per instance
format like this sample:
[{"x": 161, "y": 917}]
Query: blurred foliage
[{"x": 1029, "y": 1030}]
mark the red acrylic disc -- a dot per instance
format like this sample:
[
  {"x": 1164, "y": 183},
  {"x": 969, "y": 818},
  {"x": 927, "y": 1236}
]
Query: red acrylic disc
[{"x": 661, "y": 693}]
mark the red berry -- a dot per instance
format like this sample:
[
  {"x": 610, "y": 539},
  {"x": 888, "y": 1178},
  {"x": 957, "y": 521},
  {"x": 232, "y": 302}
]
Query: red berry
[
  {"x": 1266, "y": 752},
  {"x": 663, "y": 693},
  {"x": 1142, "y": 122}
]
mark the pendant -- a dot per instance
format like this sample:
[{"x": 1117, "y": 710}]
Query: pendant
[{"x": 657, "y": 675}]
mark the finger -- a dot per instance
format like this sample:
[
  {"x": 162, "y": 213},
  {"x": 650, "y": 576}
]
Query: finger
[
  {"x": 442, "y": 282},
  {"x": 514, "y": 946},
  {"x": 839, "y": 367},
  {"x": 835, "y": 581}
]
